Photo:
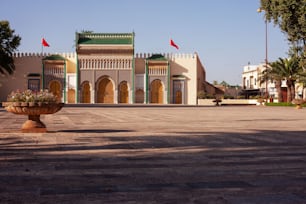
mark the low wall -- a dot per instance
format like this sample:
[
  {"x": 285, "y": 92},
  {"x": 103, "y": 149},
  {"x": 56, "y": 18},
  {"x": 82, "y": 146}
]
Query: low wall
[{"x": 209, "y": 102}]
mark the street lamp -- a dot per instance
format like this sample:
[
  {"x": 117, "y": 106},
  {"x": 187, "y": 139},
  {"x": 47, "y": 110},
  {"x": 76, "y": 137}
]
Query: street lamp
[{"x": 259, "y": 10}]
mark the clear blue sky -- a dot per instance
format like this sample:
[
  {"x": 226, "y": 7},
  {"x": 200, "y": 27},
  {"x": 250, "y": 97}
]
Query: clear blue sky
[{"x": 226, "y": 34}]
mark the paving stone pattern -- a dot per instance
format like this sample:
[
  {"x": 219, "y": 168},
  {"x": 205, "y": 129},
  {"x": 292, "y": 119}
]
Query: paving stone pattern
[{"x": 166, "y": 154}]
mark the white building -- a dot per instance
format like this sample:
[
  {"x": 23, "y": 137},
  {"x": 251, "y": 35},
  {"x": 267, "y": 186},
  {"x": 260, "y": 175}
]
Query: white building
[{"x": 252, "y": 85}]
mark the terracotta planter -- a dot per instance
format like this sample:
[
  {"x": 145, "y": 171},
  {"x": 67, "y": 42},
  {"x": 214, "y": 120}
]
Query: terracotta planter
[
  {"x": 33, "y": 110},
  {"x": 217, "y": 102},
  {"x": 261, "y": 101},
  {"x": 298, "y": 103}
]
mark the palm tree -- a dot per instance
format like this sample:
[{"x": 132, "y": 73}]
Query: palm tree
[
  {"x": 288, "y": 70},
  {"x": 291, "y": 71},
  {"x": 272, "y": 73},
  {"x": 8, "y": 44}
]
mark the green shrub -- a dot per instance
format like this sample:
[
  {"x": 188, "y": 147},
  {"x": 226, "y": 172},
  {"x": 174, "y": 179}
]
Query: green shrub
[
  {"x": 283, "y": 104},
  {"x": 203, "y": 95}
]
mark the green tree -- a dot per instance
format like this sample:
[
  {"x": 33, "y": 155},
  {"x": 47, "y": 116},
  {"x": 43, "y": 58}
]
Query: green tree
[
  {"x": 290, "y": 16},
  {"x": 224, "y": 83},
  {"x": 272, "y": 74},
  {"x": 8, "y": 44},
  {"x": 284, "y": 69}
]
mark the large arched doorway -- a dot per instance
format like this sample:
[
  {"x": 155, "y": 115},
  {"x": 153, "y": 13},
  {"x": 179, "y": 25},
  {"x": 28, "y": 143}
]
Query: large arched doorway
[
  {"x": 105, "y": 93},
  {"x": 56, "y": 88},
  {"x": 85, "y": 97},
  {"x": 156, "y": 92},
  {"x": 123, "y": 92}
]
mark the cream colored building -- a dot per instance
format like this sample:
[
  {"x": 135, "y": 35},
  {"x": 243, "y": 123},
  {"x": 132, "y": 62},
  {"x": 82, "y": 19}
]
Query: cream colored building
[
  {"x": 251, "y": 84},
  {"x": 105, "y": 69}
]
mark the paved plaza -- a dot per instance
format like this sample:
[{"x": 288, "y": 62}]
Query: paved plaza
[{"x": 146, "y": 154}]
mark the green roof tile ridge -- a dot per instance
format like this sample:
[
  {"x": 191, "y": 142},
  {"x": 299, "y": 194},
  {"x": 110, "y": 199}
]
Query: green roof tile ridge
[{"x": 105, "y": 38}]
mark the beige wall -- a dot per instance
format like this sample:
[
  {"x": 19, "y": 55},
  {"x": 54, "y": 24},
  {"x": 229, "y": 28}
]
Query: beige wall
[
  {"x": 23, "y": 66},
  {"x": 71, "y": 64},
  {"x": 140, "y": 66},
  {"x": 186, "y": 64}
]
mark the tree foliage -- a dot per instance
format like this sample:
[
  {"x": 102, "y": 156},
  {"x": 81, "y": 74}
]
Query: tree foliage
[
  {"x": 290, "y": 16},
  {"x": 8, "y": 44}
]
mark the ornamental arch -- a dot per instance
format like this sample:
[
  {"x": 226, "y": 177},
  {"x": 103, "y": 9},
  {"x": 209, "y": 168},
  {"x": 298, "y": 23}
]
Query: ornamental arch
[
  {"x": 85, "y": 92},
  {"x": 123, "y": 92},
  {"x": 105, "y": 90},
  {"x": 55, "y": 87},
  {"x": 156, "y": 92}
]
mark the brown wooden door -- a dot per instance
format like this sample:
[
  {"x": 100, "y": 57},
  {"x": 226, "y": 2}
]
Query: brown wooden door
[
  {"x": 85, "y": 93},
  {"x": 139, "y": 96},
  {"x": 105, "y": 91},
  {"x": 157, "y": 92},
  {"x": 55, "y": 88},
  {"x": 178, "y": 97},
  {"x": 123, "y": 92},
  {"x": 71, "y": 96}
]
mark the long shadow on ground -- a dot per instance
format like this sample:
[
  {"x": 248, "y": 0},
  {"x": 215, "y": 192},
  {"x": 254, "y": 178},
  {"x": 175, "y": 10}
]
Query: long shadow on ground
[{"x": 178, "y": 167}]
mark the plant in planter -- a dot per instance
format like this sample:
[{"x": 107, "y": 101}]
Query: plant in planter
[
  {"x": 261, "y": 101},
  {"x": 32, "y": 104},
  {"x": 298, "y": 103}
]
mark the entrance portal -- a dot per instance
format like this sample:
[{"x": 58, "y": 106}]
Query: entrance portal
[
  {"x": 55, "y": 88},
  {"x": 156, "y": 92},
  {"x": 85, "y": 93},
  {"x": 123, "y": 92},
  {"x": 105, "y": 92}
]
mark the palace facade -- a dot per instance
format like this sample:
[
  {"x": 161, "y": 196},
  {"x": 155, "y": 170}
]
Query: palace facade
[{"x": 105, "y": 69}]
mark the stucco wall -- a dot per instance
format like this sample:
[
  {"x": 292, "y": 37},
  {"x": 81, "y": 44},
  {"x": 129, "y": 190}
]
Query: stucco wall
[
  {"x": 23, "y": 66},
  {"x": 140, "y": 66},
  {"x": 186, "y": 65}
]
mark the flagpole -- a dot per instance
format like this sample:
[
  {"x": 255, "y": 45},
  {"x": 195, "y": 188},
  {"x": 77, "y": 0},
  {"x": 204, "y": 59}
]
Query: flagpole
[
  {"x": 169, "y": 47},
  {"x": 42, "y": 47}
]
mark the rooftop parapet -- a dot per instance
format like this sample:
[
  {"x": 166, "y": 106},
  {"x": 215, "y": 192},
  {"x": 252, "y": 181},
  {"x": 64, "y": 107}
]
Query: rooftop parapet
[
  {"x": 170, "y": 56},
  {"x": 42, "y": 55},
  {"x": 167, "y": 55}
]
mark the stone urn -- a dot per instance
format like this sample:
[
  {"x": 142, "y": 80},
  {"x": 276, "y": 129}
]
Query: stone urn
[
  {"x": 217, "y": 102},
  {"x": 261, "y": 101},
  {"x": 298, "y": 103},
  {"x": 33, "y": 110}
]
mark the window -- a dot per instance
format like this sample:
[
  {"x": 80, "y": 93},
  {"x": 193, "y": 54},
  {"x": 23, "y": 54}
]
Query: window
[
  {"x": 34, "y": 81},
  {"x": 34, "y": 84}
]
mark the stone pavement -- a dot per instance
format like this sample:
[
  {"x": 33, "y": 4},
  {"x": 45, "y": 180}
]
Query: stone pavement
[{"x": 167, "y": 154}]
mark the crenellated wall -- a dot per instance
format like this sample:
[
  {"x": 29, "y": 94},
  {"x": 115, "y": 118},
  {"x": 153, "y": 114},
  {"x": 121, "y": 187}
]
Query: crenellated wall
[
  {"x": 73, "y": 55},
  {"x": 42, "y": 55},
  {"x": 167, "y": 55}
]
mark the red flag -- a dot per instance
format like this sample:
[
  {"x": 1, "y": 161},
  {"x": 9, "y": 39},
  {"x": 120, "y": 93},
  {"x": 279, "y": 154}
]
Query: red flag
[
  {"x": 173, "y": 44},
  {"x": 44, "y": 43}
]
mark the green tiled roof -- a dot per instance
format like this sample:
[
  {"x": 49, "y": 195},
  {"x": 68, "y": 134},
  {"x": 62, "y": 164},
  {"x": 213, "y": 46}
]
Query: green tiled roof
[
  {"x": 105, "y": 38},
  {"x": 54, "y": 57},
  {"x": 158, "y": 57}
]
